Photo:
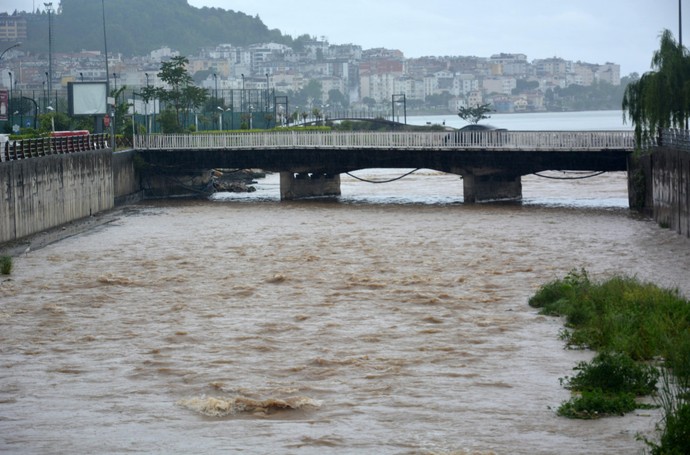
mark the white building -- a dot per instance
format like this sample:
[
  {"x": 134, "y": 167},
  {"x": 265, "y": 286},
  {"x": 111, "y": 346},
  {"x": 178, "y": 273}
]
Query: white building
[{"x": 503, "y": 85}]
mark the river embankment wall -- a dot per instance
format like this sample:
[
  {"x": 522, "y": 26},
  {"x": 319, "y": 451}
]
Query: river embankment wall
[
  {"x": 659, "y": 182},
  {"x": 37, "y": 194},
  {"x": 671, "y": 189},
  {"x": 126, "y": 181}
]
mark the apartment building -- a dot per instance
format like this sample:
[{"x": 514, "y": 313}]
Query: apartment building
[
  {"x": 12, "y": 28},
  {"x": 356, "y": 73}
]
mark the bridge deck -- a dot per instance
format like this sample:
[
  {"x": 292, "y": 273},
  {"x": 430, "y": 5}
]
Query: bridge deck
[{"x": 543, "y": 141}]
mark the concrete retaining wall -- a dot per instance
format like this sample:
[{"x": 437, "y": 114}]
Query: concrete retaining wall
[
  {"x": 37, "y": 194},
  {"x": 670, "y": 171},
  {"x": 126, "y": 185}
]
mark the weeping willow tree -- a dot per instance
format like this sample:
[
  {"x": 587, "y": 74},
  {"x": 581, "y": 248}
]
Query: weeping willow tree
[{"x": 661, "y": 97}]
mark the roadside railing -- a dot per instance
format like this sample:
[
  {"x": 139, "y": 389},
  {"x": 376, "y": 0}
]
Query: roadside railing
[
  {"x": 495, "y": 140},
  {"x": 32, "y": 148}
]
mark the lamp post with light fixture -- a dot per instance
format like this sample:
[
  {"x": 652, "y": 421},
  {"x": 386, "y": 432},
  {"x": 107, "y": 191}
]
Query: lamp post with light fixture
[
  {"x": 49, "y": 9},
  {"x": 215, "y": 78},
  {"x": 11, "y": 47},
  {"x": 242, "y": 96},
  {"x": 11, "y": 85}
]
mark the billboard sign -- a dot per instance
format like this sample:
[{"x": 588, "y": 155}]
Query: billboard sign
[{"x": 87, "y": 98}]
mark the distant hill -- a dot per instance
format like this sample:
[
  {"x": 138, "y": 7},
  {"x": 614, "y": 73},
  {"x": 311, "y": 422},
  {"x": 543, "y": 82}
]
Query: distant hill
[{"x": 136, "y": 27}]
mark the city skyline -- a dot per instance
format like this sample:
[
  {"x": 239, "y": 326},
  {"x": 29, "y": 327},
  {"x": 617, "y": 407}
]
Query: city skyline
[{"x": 625, "y": 32}]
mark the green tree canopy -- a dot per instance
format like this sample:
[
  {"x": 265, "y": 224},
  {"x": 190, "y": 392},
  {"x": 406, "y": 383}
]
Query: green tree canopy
[
  {"x": 337, "y": 99},
  {"x": 182, "y": 95},
  {"x": 475, "y": 113},
  {"x": 661, "y": 97},
  {"x": 136, "y": 27}
]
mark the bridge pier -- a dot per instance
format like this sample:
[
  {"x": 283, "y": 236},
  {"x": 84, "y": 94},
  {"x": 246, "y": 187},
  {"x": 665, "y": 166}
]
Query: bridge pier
[
  {"x": 302, "y": 185},
  {"x": 494, "y": 187}
]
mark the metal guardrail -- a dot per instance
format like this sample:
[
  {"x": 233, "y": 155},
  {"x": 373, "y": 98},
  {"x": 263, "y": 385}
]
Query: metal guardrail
[
  {"x": 32, "y": 148},
  {"x": 480, "y": 140}
]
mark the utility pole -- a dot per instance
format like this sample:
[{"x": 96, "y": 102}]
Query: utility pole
[{"x": 107, "y": 80}]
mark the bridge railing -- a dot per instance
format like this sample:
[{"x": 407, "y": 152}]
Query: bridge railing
[{"x": 498, "y": 140}]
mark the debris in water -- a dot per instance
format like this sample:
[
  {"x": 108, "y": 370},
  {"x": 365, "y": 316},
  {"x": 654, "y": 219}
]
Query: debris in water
[{"x": 221, "y": 407}]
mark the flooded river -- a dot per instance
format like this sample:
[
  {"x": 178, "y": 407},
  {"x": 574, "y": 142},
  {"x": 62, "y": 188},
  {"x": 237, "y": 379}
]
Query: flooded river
[{"x": 391, "y": 321}]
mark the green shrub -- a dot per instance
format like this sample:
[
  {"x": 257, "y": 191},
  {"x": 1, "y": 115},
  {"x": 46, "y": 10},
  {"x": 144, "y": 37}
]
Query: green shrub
[
  {"x": 596, "y": 403},
  {"x": 561, "y": 297},
  {"x": 613, "y": 372},
  {"x": 620, "y": 314},
  {"x": 6, "y": 265},
  {"x": 607, "y": 386},
  {"x": 626, "y": 320}
]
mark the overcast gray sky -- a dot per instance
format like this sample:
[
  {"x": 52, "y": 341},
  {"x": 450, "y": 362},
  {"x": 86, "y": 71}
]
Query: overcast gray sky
[{"x": 596, "y": 31}]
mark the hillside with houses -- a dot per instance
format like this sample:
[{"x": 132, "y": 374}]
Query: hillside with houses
[{"x": 311, "y": 71}]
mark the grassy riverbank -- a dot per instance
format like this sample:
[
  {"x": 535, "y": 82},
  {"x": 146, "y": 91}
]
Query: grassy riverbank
[{"x": 642, "y": 333}]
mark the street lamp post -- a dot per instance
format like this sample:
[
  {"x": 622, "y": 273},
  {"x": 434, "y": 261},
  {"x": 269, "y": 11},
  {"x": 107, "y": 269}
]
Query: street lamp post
[
  {"x": 115, "y": 87},
  {"x": 46, "y": 86},
  {"x": 242, "y": 96},
  {"x": 107, "y": 79},
  {"x": 134, "y": 115},
  {"x": 10, "y": 72},
  {"x": 215, "y": 77},
  {"x": 11, "y": 47},
  {"x": 9, "y": 102},
  {"x": 105, "y": 46},
  {"x": 268, "y": 84},
  {"x": 11, "y": 85},
  {"x": 49, "y": 9},
  {"x": 146, "y": 103},
  {"x": 222, "y": 114}
]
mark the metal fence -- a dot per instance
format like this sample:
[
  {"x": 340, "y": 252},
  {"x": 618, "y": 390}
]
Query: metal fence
[{"x": 32, "y": 148}]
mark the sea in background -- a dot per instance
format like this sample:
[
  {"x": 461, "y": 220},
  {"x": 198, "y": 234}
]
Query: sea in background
[
  {"x": 391, "y": 320},
  {"x": 537, "y": 121}
]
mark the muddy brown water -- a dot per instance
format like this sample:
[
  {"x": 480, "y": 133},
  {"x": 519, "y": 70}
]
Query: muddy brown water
[{"x": 380, "y": 323}]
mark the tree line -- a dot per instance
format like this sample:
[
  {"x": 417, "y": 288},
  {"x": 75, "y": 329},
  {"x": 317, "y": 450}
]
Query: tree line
[{"x": 136, "y": 27}]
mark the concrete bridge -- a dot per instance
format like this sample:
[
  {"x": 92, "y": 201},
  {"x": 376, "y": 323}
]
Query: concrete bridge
[
  {"x": 491, "y": 163},
  {"x": 46, "y": 183}
]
